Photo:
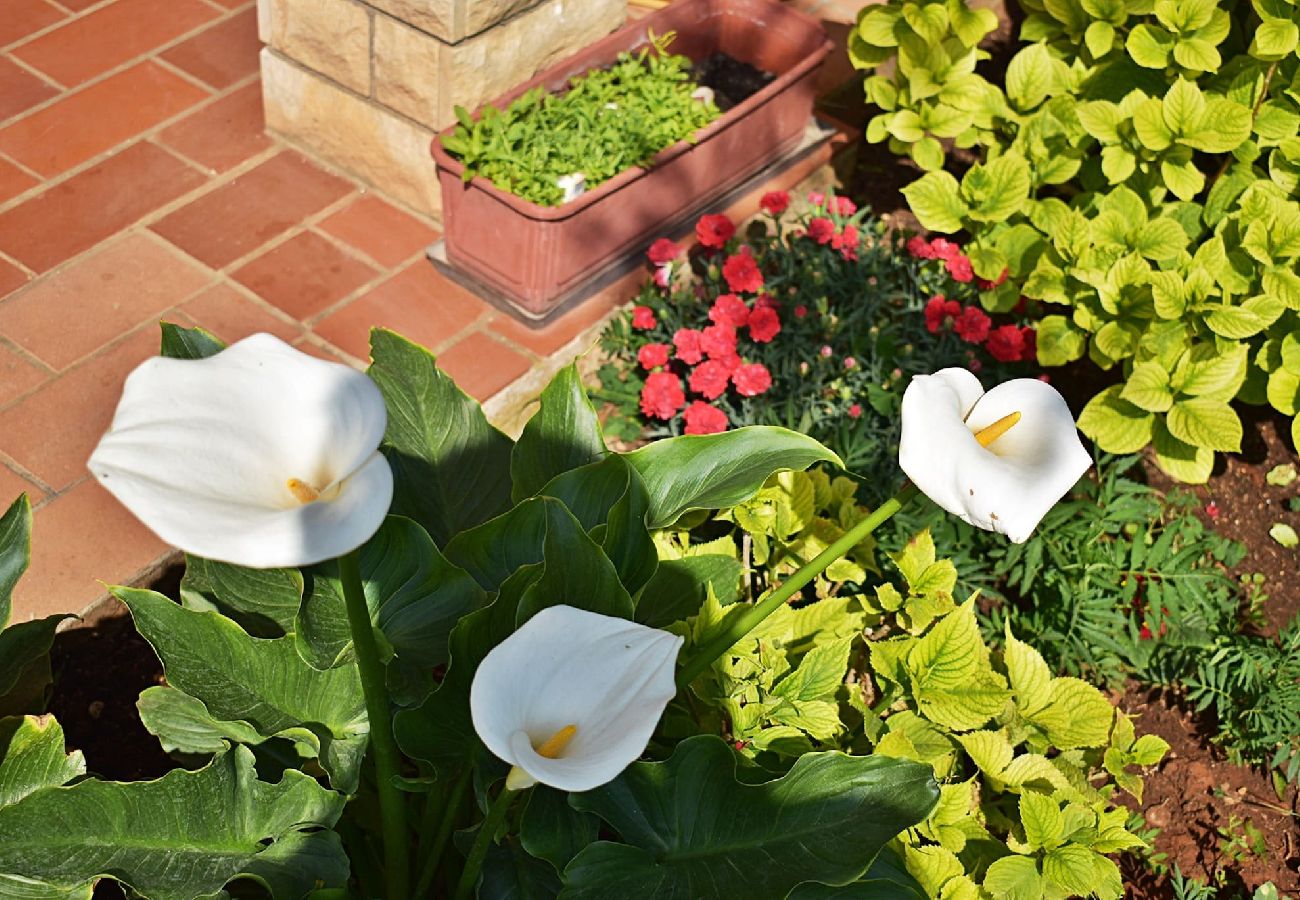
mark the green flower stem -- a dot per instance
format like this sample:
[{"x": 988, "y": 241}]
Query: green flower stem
[
  {"x": 392, "y": 804},
  {"x": 743, "y": 624},
  {"x": 449, "y": 811},
  {"x": 496, "y": 814}
]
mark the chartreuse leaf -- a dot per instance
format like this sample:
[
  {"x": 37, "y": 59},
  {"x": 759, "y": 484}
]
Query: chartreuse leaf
[
  {"x": 1078, "y": 715},
  {"x": 450, "y": 467},
  {"x": 264, "y": 683},
  {"x": 1204, "y": 422},
  {"x": 1117, "y": 425},
  {"x": 180, "y": 837},
  {"x": 952, "y": 680},
  {"x": 1041, "y": 817},
  {"x": 935, "y": 200},
  {"x": 1031, "y": 679},
  {"x": 716, "y": 471},
  {"x": 263, "y": 601},
  {"x": 32, "y": 757},
  {"x": 563, "y": 434},
  {"x": 1029, "y": 77},
  {"x": 1014, "y": 878},
  {"x": 1185, "y": 462},
  {"x": 998, "y": 188},
  {"x": 824, "y": 822}
]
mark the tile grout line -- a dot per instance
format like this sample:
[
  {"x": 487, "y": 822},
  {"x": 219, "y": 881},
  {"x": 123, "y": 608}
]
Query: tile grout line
[
  {"x": 48, "y": 80},
  {"x": 28, "y": 475},
  {"x": 32, "y": 173}
]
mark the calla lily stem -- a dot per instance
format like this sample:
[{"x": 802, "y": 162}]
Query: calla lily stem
[
  {"x": 496, "y": 814},
  {"x": 450, "y": 808},
  {"x": 392, "y": 804},
  {"x": 743, "y": 624}
]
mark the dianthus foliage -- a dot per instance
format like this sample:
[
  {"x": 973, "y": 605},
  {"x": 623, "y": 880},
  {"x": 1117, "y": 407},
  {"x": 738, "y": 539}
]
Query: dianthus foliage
[{"x": 1137, "y": 164}]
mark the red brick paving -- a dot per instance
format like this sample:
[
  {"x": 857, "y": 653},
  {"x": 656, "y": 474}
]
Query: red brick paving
[{"x": 163, "y": 199}]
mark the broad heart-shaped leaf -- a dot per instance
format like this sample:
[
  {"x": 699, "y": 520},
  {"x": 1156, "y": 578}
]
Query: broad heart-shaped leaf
[
  {"x": 552, "y": 830},
  {"x": 32, "y": 757},
  {"x": 681, "y": 586},
  {"x": 25, "y": 665},
  {"x": 440, "y": 731},
  {"x": 887, "y": 879},
  {"x": 15, "y": 551},
  {"x": 609, "y": 499},
  {"x": 715, "y": 471},
  {"x": 563, "y": 434},
  {"x": 414, "y": 594},
  {"x": 264, "y": 683},
  {"x": 180, "y": 837},
  {"x": 188, "y": 343},
  {"x": 693, "y": 830},
  {"x": 451, "y": 469},
  {"x": 263, "y": 601},
  {"x": 183, "y": 724}
]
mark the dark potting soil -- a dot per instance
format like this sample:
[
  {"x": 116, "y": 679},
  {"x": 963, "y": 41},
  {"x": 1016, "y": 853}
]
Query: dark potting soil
[{"x": 732, "y": 81}]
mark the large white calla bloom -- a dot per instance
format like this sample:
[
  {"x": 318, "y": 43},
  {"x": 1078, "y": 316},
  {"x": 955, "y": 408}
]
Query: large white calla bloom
[
  {"x": 999, "y": 460},
  {"x": 260, "y": 456},
  {"x": 572, "y": 697}
]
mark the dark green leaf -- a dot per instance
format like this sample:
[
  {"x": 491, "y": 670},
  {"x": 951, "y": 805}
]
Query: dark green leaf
[
  {"x": 553, "y": 830},
  {"x": 887, "y": 879},
  {"x": 188, "y": 343},
  {"x": 15, "y": 550},
  {"x": 263, "y": 601},
  {"x": 680, "y": 587},
  {"x": 564, "y": 434},
  {"x": 32, "y": 757},
  {"x": 25, "y": 665}
]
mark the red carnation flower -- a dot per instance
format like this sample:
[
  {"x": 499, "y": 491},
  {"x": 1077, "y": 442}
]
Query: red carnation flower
[
  {"x": 742, "y": 272},
  {"x": 663, "y": 251},
  {"x": 775, "y": 202},
  {"x": 710, "y": 377},
  {"x": 652, "y": 356},
  {"x": 729, "y": 309},
  {"x": 855, "y": 411},
  {"x": 821, "y": 230},
  {"x": 847, "y": 242},
  {"x": 800, "y": 312},
  {"x": 816, "y": 198},
  {"x": 1031, "y": 344},
  {"x": 959, "y": 268},
  {"x": 942, "y": 248},
  {"x": 751, "y": 380},
  {"x": 714, "y": 230},
  {"x": 938, "y": 310},
  {"x": 764, "y": 324},
  {"x": 705, "y": 418},
  {"x": 718, "y": 341},
  {"x": 643, "y": 317},
  {"x": 844, "y": 206},
  {"x": 663, "y": 275},
  {"x": 920, "y": 247},
  {"x": 766, "y": 300},
  {"x": 1006, "y": 344},
  {"x": 972, "y": 325},
  {"x": 662, "y": 395},
  {"x": 687, "y": 343}
]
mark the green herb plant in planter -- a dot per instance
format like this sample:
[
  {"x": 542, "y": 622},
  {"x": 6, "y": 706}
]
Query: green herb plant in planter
[
  {"x": 420, "y": 659},
  {"x": 1139, "y": 166},
  {"x": 608, "y": 120}
]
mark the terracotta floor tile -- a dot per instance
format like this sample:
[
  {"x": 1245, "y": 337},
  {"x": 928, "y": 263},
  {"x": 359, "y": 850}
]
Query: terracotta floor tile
[
  {"x": 13, "y": 180},
  {"x": 79, "y": 5},
  {"x": 104, "y": 39},
  {"x": 482, "y": 366},
  {"x": 77, "y": 310},
  {"x": 418, "y": 303},
  {"x": 24, "y": 17},
  {"x": 11, "y": 278},
  {"x": 551, "y": 337},
  {"x": 108, "y": 197},
  {"x": 231, "y": 316},
  {"x": 78, "y": 540},
  {"x": 85, "y": 124},
  {"x": 52, "y": 431},
  {"x": 304, "y": 275},
  {"x": 222, "y": 134},
  {"x": 381, "y": 231},
  {"x": 22, "y": 90},
  {"x": 12, "y": 484},
  {"x": 222, "y": 54},
  {"x": 237, "y": 218},
  {"x": 17, "y": 375}
]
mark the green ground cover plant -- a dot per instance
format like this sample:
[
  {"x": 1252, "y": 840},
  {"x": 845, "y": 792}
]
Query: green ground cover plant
[
  {"x": 815, "y": 320},
  {"x": 1137, "y": 164},
  {"x": 604, "y": 122}
]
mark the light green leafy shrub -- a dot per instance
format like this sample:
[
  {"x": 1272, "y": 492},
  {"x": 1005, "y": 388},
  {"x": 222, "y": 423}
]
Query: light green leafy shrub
[
  {"x": 1138, "y": 165},
  {"x": 1028, "y": 763}
]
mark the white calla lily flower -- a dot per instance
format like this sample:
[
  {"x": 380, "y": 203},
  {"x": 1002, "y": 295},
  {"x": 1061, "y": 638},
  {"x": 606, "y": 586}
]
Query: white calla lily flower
[
  {"x": 260, "y": 455},
  {"x": 572, "y": 697},
  {"x": 998, "y": 460}
]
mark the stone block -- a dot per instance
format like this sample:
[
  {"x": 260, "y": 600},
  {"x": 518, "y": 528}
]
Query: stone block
[
  {"x": 407, "y": 73},
  {"x": 378, "y": 146},
  {"x": 331, "y": 37},
  {"x": 452, "y": 20}
]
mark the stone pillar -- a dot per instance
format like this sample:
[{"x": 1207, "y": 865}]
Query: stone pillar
[{"x": 365, "y": 85}]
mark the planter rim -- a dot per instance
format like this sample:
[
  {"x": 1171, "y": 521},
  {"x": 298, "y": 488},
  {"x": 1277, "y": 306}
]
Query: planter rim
[{"x": 538, "y": 212}]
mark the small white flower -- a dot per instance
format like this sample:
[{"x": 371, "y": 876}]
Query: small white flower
[
  {"x": 702, "y": 94},
  {"x": 260, "y": 456},
  {"x": 574, "y": 186},
  {"x": 999, "y": 460},
  {"x": 572, "y": 697}
]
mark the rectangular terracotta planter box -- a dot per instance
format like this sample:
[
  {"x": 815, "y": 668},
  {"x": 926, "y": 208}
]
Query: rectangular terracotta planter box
[{"x": 533, "y": 255}]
